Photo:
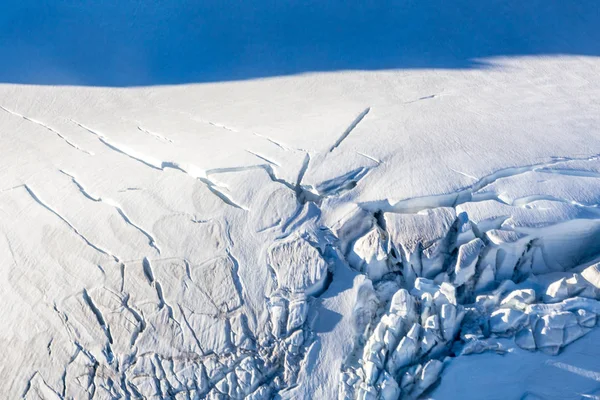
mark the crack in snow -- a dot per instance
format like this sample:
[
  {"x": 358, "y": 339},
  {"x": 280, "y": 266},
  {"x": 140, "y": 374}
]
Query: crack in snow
[
  {"x": 75, "y": 230},
  {"x": 57, "y": 133},
  {"x": 156, "y": 135},
  {"x": 151, "y": 241},
  {"x": 350, "y": 128}
]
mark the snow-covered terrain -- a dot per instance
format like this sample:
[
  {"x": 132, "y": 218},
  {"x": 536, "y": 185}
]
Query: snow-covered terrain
[{"x": 300, "y": 200}]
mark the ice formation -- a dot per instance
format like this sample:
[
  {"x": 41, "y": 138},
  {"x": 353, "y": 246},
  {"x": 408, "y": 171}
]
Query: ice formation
[{"x": 299, "y": 200}]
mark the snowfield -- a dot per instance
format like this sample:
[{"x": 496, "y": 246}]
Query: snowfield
[{"x": 411, "y": 230}]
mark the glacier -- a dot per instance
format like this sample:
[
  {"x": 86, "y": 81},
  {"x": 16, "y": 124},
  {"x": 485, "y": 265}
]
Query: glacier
[{"x": 296, "y": 200}]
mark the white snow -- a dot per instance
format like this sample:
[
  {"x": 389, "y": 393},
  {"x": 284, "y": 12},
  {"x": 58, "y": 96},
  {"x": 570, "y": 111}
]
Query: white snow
[{"x": 288, "y": 200}]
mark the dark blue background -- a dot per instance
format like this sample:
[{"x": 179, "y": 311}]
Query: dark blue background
[{"x": 130, "y": 43}]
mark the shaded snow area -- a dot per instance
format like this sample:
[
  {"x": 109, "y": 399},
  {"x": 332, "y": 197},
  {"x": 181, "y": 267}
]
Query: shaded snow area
[{"x": 384, "y": 202}]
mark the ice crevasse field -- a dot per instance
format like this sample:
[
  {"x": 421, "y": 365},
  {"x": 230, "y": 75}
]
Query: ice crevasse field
[{"x": 263, "y": 199}]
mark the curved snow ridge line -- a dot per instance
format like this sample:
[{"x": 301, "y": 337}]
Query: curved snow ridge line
[
  {"x": 586, "y": 373},
  {"x": 377, "y": 161},
  {"x": 189, "y": 169},
  {"x": 152, "y": 281},
  {"x": 156, "y": 135},
  {"x": 464, "y": 174},
  {"x": 570, "y": 172},
  {"x": 141, "y": 322},
  {"x": 333, "y": 187},
  {"x": 338, "y": 185},
  {"x": 147, "y": 160},
  {"x": 57, "y": 133},
  {"x": 230, "y": 128},
  {"x": 306, "y": 193},
  {"x": 237, "y": 281},
  {"x": 429, "y": 97},
  {"x": 465, "y": 194},
  {"x": 41, "y": 387},
  {"x": 527, "y": 200},
  {"x": 350, "y": 128},
  {"x": 233, "y": 129},
  {"x": 268, "y": 168},
  {"x": 264, "y": 158},
  {"x": 108, "y": 352},
  {"x": 205, "y": 121},
  {"x": 524, "y": 201},
  {"x": 265, "y": 167},
  {"x": 280, "y": 145},
  {"x": 71, "y": 226},
  {"x": 151, "y": 241}
]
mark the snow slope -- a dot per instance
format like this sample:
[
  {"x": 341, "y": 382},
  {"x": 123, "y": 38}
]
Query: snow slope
[{"x": 394, "y": 231}]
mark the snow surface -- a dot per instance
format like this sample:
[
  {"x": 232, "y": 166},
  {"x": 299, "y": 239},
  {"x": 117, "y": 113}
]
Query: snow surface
[{"x": 386, "y": 201}]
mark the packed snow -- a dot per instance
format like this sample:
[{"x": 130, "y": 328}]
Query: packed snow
[{"x": 300, "y": 201}]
